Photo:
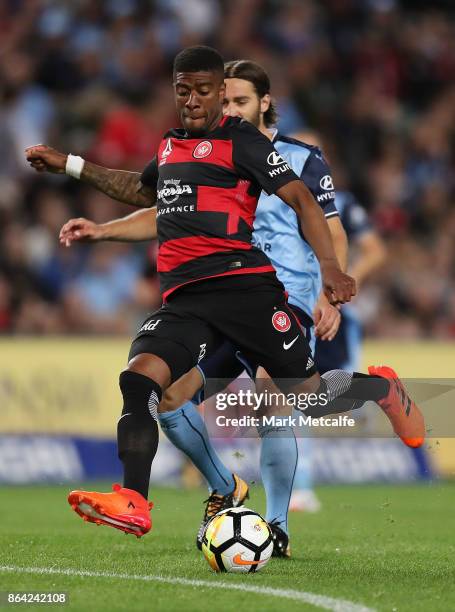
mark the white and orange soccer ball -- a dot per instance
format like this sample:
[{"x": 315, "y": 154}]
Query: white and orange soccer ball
[{"x": 237, "y": 540}]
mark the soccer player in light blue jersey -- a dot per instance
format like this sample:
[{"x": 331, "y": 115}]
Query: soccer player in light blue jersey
[{"x": 278, "y": 233}]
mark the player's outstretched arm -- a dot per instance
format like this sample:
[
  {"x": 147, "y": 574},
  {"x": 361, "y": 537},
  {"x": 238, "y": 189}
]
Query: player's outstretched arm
[
  {"x": 118, "y": 184},
  {"x": 338, "y": 286},
  {"x": 372, "y": 255},
  {"x": 340, "y": 241},
  {"x": 326, "y": 317},
  {"x": 139, "y": 226}
]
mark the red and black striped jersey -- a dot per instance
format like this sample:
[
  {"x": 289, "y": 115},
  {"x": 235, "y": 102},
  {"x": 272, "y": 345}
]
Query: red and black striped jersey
[{"x": 207, "y": 193}]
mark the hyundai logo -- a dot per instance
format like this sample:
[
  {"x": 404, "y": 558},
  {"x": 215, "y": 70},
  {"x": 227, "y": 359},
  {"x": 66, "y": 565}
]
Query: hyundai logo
[{"x": 326, "y": 183}]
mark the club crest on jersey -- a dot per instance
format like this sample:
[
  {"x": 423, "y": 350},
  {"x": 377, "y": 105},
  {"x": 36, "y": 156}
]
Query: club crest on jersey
[
  {"x": 203, "y": 149},
  {"x": 166, "y": 152},
  {"x": 281, "y": 321}
]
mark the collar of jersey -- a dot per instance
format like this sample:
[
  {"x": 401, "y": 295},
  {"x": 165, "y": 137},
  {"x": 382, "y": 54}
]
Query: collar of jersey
[{"x": 274, "y": 134}]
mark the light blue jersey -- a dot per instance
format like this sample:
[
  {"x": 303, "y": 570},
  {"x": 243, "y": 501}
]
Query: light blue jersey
[
  {"x": 343, "y": 353},
  {"x": 277, "y": 229}
]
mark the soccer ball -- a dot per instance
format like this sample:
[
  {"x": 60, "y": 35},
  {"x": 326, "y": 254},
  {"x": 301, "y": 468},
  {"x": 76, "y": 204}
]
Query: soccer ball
[{"x": 237, "y": 540}]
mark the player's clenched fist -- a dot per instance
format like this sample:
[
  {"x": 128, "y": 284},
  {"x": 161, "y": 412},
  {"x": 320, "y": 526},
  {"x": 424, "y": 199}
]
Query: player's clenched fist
[
  {"x": 80, "y": 230},
  {"x": 338, "y": 286},
  {"x": 45, "y": 159}
]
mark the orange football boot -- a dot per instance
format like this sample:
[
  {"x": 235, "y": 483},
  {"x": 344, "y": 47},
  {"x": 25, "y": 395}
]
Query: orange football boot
[
  {"x": 123, "y": 509},
  {"x": 407, "y": 420}
]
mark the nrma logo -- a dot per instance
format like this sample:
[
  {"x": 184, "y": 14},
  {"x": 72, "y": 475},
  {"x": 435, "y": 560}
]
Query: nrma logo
[{"x": 172, "y": 190}]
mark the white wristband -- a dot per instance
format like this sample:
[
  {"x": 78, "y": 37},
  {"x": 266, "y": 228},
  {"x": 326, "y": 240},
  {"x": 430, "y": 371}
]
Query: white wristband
[{"x": 74, "y": 166}]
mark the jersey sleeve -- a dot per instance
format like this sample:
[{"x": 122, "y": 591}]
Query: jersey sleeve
[
  {"x": 149, "y": 176},
  {"x": 317, "y": 177},
  {"x": 256, "y": 159},
  {"x": 355, "y": 219}
]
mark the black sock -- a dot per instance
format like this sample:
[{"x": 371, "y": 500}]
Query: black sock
[
  {"x": 348, "y": 392},
  {"x": 367, "y": 387},
  {"x": 137, "y": 429}
]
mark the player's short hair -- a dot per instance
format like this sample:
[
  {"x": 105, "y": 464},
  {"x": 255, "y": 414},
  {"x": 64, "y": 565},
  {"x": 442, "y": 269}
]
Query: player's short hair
[
  {"x": 199, "y": 58},
  {"x": 258, "y": 77}
]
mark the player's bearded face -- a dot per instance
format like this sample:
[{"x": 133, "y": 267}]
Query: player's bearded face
[
  {"x": 242, "y": 100},
  {"x": 198, "y": 98}
]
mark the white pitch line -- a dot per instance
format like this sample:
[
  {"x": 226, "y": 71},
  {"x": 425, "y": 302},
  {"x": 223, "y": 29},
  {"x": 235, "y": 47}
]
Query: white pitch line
[{"x": 320, "y": 601}]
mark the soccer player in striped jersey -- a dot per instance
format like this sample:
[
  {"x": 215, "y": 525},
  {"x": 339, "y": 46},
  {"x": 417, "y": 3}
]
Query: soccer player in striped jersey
[
  {"x": 278, "y": 234},
  {"x": 242, "y": 307}
]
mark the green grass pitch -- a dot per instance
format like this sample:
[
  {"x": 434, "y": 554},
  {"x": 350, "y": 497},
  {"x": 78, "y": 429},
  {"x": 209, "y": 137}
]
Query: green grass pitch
[{"x": 383, "y": 547}]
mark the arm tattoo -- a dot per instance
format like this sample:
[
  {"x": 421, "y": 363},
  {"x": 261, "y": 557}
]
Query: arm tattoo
[{"x": 119, "y": 185}]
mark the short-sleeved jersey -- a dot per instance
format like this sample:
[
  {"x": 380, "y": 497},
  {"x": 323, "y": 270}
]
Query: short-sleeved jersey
[
  {"x": 277, "y": 228},
  {"x": 207, "y": 194}
]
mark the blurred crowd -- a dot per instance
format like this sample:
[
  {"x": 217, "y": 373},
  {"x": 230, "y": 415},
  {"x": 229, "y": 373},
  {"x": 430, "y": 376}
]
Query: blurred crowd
[{"x": 375, "y": 78}]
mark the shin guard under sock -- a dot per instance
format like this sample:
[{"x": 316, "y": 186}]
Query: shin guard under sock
[{"x": 137, "y": 429}]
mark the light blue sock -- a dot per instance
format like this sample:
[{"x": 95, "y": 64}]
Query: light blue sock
[
  {"x": 186, "y": 429},
  {"x": 278, "y": 465},
  {"x": 303, "y": 476}
]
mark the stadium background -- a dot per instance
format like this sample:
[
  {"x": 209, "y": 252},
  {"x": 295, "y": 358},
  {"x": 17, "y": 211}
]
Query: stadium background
[{"x": 375, "y": 78}]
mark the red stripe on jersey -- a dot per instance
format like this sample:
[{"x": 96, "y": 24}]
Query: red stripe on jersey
[
  {"x": 232, "y": 224},
  {"x": 181, "y": 151},
  {"x": 246, "y": 203},
  {"x": 258, "y": 270},
  {"x": 235, "y": 202},
  {"x": 173, "y": 253}
]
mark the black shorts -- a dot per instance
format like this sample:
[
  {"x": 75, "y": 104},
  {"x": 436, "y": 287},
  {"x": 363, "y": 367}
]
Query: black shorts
[
  {"x": 229, "y": 362},
  {"x": 248, "y": 310}
]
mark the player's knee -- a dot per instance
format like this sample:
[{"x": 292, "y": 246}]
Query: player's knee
[
  {"x": 306, "y": 386},
  {"x": 141, "y": 395},
  {"x": 187, "y": 388},
  {"x": 152, "y": 367},
  {"x": 170, "y": 401},
  {"x": 315, "y": 399}
]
